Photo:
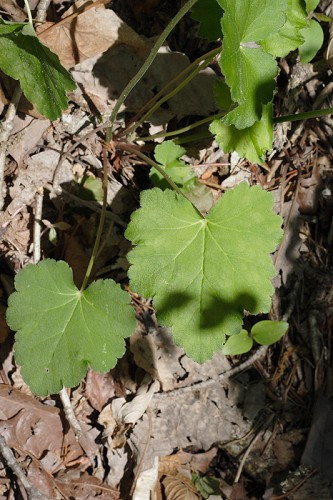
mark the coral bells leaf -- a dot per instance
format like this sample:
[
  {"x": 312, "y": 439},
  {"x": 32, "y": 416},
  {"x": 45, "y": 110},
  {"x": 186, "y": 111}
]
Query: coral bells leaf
[
  {"x": 62, "y": 331},
  {"x": 202, "y": 273}
]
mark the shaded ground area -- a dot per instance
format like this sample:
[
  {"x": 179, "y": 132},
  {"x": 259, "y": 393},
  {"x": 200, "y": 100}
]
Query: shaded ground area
[{"x": 247, "y": 427}]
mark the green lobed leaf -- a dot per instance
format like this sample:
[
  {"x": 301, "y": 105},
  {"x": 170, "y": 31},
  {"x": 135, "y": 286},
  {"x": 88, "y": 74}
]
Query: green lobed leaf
[
  {"x": 268, "y": 332},
  {"x": 61, "y": 331},
  {"x": 248, "y": 70},
  {"x": 251, "y": 143},
  {"x": 42, "y": 78},
  {"x": 290, "y": 36},
  {"x": 313, "y": 41},
  {"x": 203, "y": 273},
  {"x": 238, "y": 344},
  {"x": 208, "y": 13}
]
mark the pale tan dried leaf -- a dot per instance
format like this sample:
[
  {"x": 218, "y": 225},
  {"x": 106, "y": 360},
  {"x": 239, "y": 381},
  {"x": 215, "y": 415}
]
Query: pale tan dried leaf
[
  {"x": 146, "y": 482},
  {"x": 87, "y": 35},
  {"x": 179, "y": 488},
  {"x": 118, "y": 416}
]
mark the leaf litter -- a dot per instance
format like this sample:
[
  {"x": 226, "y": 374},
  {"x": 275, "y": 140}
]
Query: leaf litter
[{"x": 264, "y": 410}]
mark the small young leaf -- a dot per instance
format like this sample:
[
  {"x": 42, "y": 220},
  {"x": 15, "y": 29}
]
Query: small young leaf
[
  {"x": 313, "y": 41},
  {"x": 42, "y": 78},
  {"x": 290, "y": 35},
  {"x": 311, "y": 5},
  {"x": 168, "y": 155},
  {"x": 208, "y": 13},
  {"x": 238, "y": 344},
  {"x": 248, "y": 70},
  {"x": 251, "y": 143},
  {"x": 61, "y": 331},
  {"x": 268, "y": 332},
  {"x": 203, "y": 273}
]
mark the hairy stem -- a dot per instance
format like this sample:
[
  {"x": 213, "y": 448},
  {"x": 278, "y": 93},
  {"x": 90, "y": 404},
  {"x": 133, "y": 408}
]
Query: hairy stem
[
  {"x": 27, "y": 7},
  {"x": 131, "y": 126},
  {"x": 172, "y": 93},
  {"x": 183, "y": 129},
  {"x": 100, "y": 225},
  {"x": 133, "y": 82},
  {"x": 316, "y": 113}
]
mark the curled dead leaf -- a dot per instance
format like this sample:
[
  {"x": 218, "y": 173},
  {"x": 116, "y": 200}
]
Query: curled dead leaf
[{"x": 119, "y": 416}]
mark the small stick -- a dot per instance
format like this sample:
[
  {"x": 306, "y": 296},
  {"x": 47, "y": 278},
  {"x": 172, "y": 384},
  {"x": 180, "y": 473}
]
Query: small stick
[
  {"x": 5, "y": 131},
  {"x": 37, "y": 225},
  {"x": 6, "y": 452},
  {"x": 69, "y": 413}
]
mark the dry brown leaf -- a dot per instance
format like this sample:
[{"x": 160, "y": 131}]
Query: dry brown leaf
[
  {"x": 179, "y": 488},
  {"x": 86, "y": 488},
  {"x": 89, "y": 34},
  {"x": 198, "y": 462},
  {"x": 11, "y": 7},
  {"x": 100, "y": 388},
  {"x": 36, "y": 428}
]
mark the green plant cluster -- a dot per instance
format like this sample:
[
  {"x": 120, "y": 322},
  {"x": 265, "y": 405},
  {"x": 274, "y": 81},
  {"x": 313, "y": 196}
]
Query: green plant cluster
[{"x": 202, "y": 266}]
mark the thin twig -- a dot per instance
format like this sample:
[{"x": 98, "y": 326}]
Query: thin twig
[
  {"x": 37, "y": 224},
  {"x": 8, "y": 455},
  {"x": 223, "y": 377},
  {"x": 69, "y": 413},
  {"x": 84, "y": 440},
  {"x": 5, "y": 131}
]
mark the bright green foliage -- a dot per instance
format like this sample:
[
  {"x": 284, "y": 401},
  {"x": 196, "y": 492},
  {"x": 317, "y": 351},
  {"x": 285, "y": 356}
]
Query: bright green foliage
[
  {"x": 238, "y": 344},
  {"x": 313, "y": 40},
  {"x": 61, "y": 331},
  {"x": 168, "y": 156},
  {"x": 311, "y": 4},
  {"x": 252, "y": 143},
  {"x": 248, "y": 70},
  {"x": 290, "y": 37},
  {"x": 208, "y": 13},
  {"x": 222, "y": 95},
  {"x": 267, "y": 332},
  {"x": 203, "y": 272},
  {"x": 42, "y": 78}
]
